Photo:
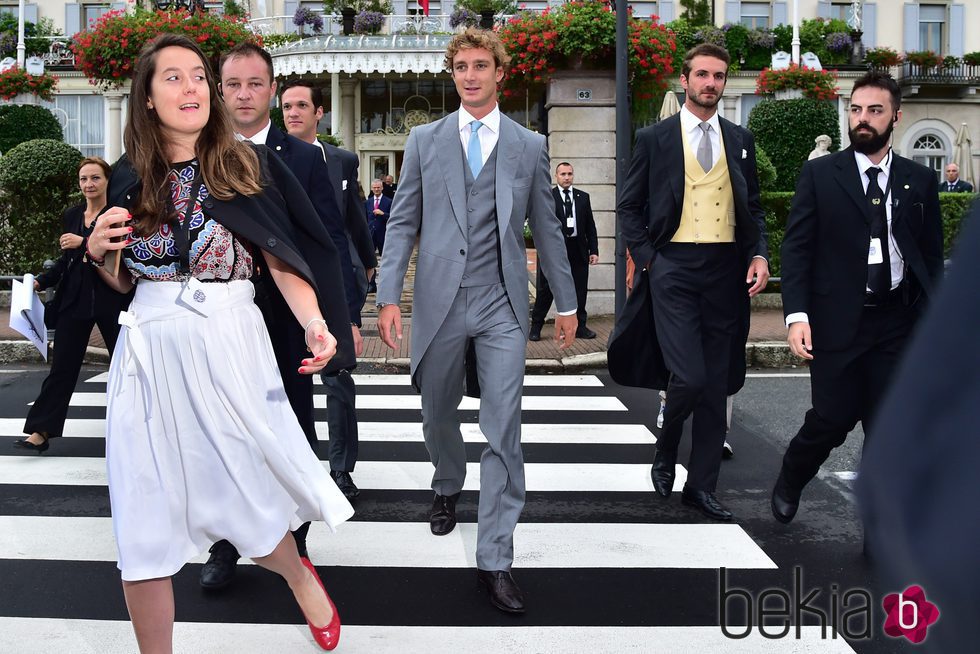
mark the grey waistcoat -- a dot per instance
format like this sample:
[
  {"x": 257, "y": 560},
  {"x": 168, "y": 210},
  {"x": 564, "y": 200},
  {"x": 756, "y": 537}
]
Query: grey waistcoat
[{"x": 482, "y": 245}]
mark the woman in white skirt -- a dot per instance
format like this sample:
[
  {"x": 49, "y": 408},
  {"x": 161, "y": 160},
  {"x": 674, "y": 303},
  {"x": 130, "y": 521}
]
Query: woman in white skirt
[{"x": 201, "y": 442}]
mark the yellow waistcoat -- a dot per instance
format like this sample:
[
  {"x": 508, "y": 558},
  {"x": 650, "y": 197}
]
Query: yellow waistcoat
[{"x": 708, "y": 214}]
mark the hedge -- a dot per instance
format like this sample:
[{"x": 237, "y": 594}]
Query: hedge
[
  {"x": 954, "y": 207},
  {"x": 786, "y": 130},
  {"x": 38, "y": 181},
  {"x": 19, "y": 123}
]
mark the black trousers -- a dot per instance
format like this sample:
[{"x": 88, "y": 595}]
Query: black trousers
[
  {"x": 696, "y": 292},
  {"x": 847, "y": 386},
  {"x": 341, "y": 420},
  {"x": 544, "y": 297},
  {"x": 50, "y": 409}
]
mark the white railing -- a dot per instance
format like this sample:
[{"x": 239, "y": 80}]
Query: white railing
[{"x": 393, "y": 24}]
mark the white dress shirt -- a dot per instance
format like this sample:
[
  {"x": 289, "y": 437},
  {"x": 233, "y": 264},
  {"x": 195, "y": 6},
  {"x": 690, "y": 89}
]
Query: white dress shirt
[
  {"x": 571, "y": 195},
  {"x": 690, "y": 124},
  {"x": 895, "y": 260},
  {"x": 488, "y": 133},
  {"x": 260, "y": 137}
]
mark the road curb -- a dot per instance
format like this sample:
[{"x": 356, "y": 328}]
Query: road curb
[{"x": 25, "y": 352}]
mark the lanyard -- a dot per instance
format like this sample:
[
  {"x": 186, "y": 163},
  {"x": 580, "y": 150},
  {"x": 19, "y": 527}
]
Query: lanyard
[{"x": 182, "y": 230}]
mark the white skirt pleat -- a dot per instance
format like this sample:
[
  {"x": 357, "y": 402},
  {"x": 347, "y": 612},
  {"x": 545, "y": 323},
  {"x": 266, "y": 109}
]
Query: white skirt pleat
[{"x": 201, "y": 443}]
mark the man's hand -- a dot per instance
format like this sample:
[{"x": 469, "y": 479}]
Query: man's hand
[
  {"x": 759, "y": 271},
  {"x": 799, "y": 340},
  {"x": 593, "y": 259},
  {"x": 390, "y": 317},
  {"x": 379, "y": 212},
  {"x": 358, "y": 340},
  {"x": 565, "y": 327}
]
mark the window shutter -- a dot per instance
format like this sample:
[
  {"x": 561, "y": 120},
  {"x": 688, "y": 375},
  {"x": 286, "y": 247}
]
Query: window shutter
[
  {"x": 779, "y": 14},
  {"x": 73, "y": 18},
  {"x": 733, "y": 11},
  {"x": 869, "y": 25},
  {"x": 823, "y": 9},
  {"x": 957, "y": 28},
  {"x": 666, "y": 11},
  {"x": 290, "y": 9},
  {"x": 910, "y": 33}
]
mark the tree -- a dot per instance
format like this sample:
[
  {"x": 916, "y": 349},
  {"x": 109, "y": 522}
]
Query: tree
[
  {"x": 786, "y": 129},
  {"x": 697, "y": 12}
]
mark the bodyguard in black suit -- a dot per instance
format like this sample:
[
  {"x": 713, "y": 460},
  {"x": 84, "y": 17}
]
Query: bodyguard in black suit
[
  {"x": 690, "y": 214},
  {"x": 247, "y": 88},
  {"x": 953, "y": 183},
  {"x": 861, "y": 255},
  {"x": 377, "y": 208},
  {"x": 574, "y": 210},
  {"x": 302, "y": 105}
]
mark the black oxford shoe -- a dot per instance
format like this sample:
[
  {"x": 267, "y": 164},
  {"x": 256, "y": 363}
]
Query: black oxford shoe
[
  {"x": 442, "y": 520},
  {"x": 785, "y": 502},
  {"x": 662, "y": 472},
  {"x": 706, "y": 503},
  {"x": 345, "y": 484},
  {"x": 220, "y": 568},
  {"x": 535, "y": 333},
  {"x": 584, "y": 332},
  {"x": 504, "y": 591}
]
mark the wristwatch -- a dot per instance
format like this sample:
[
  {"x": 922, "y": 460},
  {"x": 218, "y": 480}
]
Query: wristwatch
[{"x": 380, "y": 305}]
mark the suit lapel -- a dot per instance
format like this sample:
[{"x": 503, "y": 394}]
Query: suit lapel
[
  {"x": 336, "y": 172},
  {"x": 733, "y": 156},
  {"x": 850, "y": 180},
  {"x": 450, "y": 158},
  {"x": 510, "y": 147}
]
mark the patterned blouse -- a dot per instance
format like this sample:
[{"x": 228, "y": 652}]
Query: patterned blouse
[{"x": 216, "y": 254}]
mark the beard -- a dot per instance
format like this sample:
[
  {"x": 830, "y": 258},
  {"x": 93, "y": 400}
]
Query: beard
[
  {"x": 699, "y": 100},
  {"x": 871, "y": 141}
]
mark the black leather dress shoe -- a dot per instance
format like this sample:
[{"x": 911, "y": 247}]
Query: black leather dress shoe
[
  {"x": 535, "y": 333},
  {"x": 345, "y": 484},
  {"x": 662, "y": 472},
  {"x": 785, "y": 501},
  {"x": 584, "y": 332},
  {"x": 706, "y": 503},
  {"x": 220, "y": 568},
  {"x": 442, "y": 520},
  {"x": 504, "y": 591}
]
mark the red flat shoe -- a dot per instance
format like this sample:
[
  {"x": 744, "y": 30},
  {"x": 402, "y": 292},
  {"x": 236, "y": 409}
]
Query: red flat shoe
[{"x": 326, "y": 637}]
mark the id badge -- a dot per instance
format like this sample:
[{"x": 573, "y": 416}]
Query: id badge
[
  {"x": 570, "y": 222},
  {"x": 194, "y": 296},
  {"x": 874, "y": 251}
]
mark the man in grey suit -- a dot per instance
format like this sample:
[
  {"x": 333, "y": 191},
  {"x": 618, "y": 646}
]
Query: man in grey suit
[
  {"x": 302, "y": 107},
  {"x": 466, "y": 184}
]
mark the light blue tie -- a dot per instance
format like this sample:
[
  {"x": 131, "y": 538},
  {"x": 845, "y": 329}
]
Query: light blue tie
[{"x": 473, "y": 155}]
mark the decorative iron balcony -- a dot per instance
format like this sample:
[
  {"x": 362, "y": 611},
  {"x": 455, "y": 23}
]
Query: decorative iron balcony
[{"x": 957, "y": 80}]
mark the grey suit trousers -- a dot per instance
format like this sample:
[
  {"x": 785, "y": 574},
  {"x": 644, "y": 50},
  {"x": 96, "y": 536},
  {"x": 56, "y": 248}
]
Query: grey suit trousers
[{"x": 484, "y": 315}]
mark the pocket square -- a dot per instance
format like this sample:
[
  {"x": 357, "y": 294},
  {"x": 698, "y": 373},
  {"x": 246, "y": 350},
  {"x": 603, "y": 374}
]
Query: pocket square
[
  {"x": 344, "y": 185},
  {"x": 745, "y": 155}
]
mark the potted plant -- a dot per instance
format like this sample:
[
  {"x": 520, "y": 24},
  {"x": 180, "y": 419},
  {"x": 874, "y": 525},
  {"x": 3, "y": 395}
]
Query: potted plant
[
  {"x": 882, "y": 58},
  {"x": 924, "y": 59},
  {"x": 306, "y": 16},
  {"x": 347, "y": 11},
  {"x": 368, "y": 22},
  {"x": 463, "y": 17},
  {"x": 972, "y": 59},
  {"x": 16, "y": 81},
  {"x": 797, "y": 81},
  {"x": 107, "y": 52},
  {"x": 487, "y": 9}
]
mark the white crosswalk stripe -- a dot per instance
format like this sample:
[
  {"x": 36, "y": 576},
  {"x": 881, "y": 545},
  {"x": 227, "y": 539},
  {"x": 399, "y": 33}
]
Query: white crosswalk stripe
[{"x": 582, "y": 522}]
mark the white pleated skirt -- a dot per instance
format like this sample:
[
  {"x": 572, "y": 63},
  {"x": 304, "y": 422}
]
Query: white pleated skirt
[{"x": 201, "y": 443}]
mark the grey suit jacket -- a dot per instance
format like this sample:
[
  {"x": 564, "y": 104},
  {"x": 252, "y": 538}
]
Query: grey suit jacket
[{"x": 431, "y": 204}]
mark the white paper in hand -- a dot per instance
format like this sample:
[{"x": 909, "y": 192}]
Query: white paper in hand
[{"x": 27, "y": 314}]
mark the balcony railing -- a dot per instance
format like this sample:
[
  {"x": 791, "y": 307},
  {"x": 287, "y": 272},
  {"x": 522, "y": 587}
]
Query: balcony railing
[
  {"x": 393, "y": 24},
  {"x": 959, "y": 75},
  {"x": 58, "y": 55}
]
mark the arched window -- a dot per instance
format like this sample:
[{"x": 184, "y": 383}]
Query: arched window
[{"x": 929, "y": 151}]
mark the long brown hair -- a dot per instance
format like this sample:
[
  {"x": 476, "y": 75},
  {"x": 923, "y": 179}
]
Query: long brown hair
[
  {"x": 228, "y": 167},
  {"x": 98, "y": 161}
]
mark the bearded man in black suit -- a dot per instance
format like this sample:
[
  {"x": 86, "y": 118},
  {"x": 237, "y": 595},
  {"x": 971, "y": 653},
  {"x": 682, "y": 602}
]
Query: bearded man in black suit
[{"x": 862, "y": 253}]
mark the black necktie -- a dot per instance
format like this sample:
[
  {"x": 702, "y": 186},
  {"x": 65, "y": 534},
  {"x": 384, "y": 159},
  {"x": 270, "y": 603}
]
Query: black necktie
[
  {"x": 568, "y": 212},
  {"x": 879, "y": 274}
]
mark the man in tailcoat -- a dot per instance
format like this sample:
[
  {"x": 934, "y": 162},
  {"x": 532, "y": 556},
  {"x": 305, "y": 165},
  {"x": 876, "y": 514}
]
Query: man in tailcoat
[
  {"x": 862, "y": 253},
  {"x": 691, "y": 217},
  {"x": 467, "y": 182}
]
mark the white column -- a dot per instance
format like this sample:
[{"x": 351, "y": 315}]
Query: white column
[
  {"x": 335, "y": 104},
  {"x": 348, "y": 119},
  {"x": 796, "y": 32},
  {"x": 113, "y": 146},
  {"x": 21, "y": 48}
]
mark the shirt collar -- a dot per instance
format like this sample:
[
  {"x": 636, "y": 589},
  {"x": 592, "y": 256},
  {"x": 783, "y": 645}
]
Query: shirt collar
[
  {"x": 863, "y": 163},
  {"x": 571, "y": 189},
  {"x": 490, "y": 121},
  {"x": 261, "y": 136},
  {"x": 690, "y": 122}
]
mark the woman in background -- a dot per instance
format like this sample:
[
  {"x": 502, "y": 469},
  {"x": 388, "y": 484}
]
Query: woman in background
[{"x": 82, "y": 300}]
